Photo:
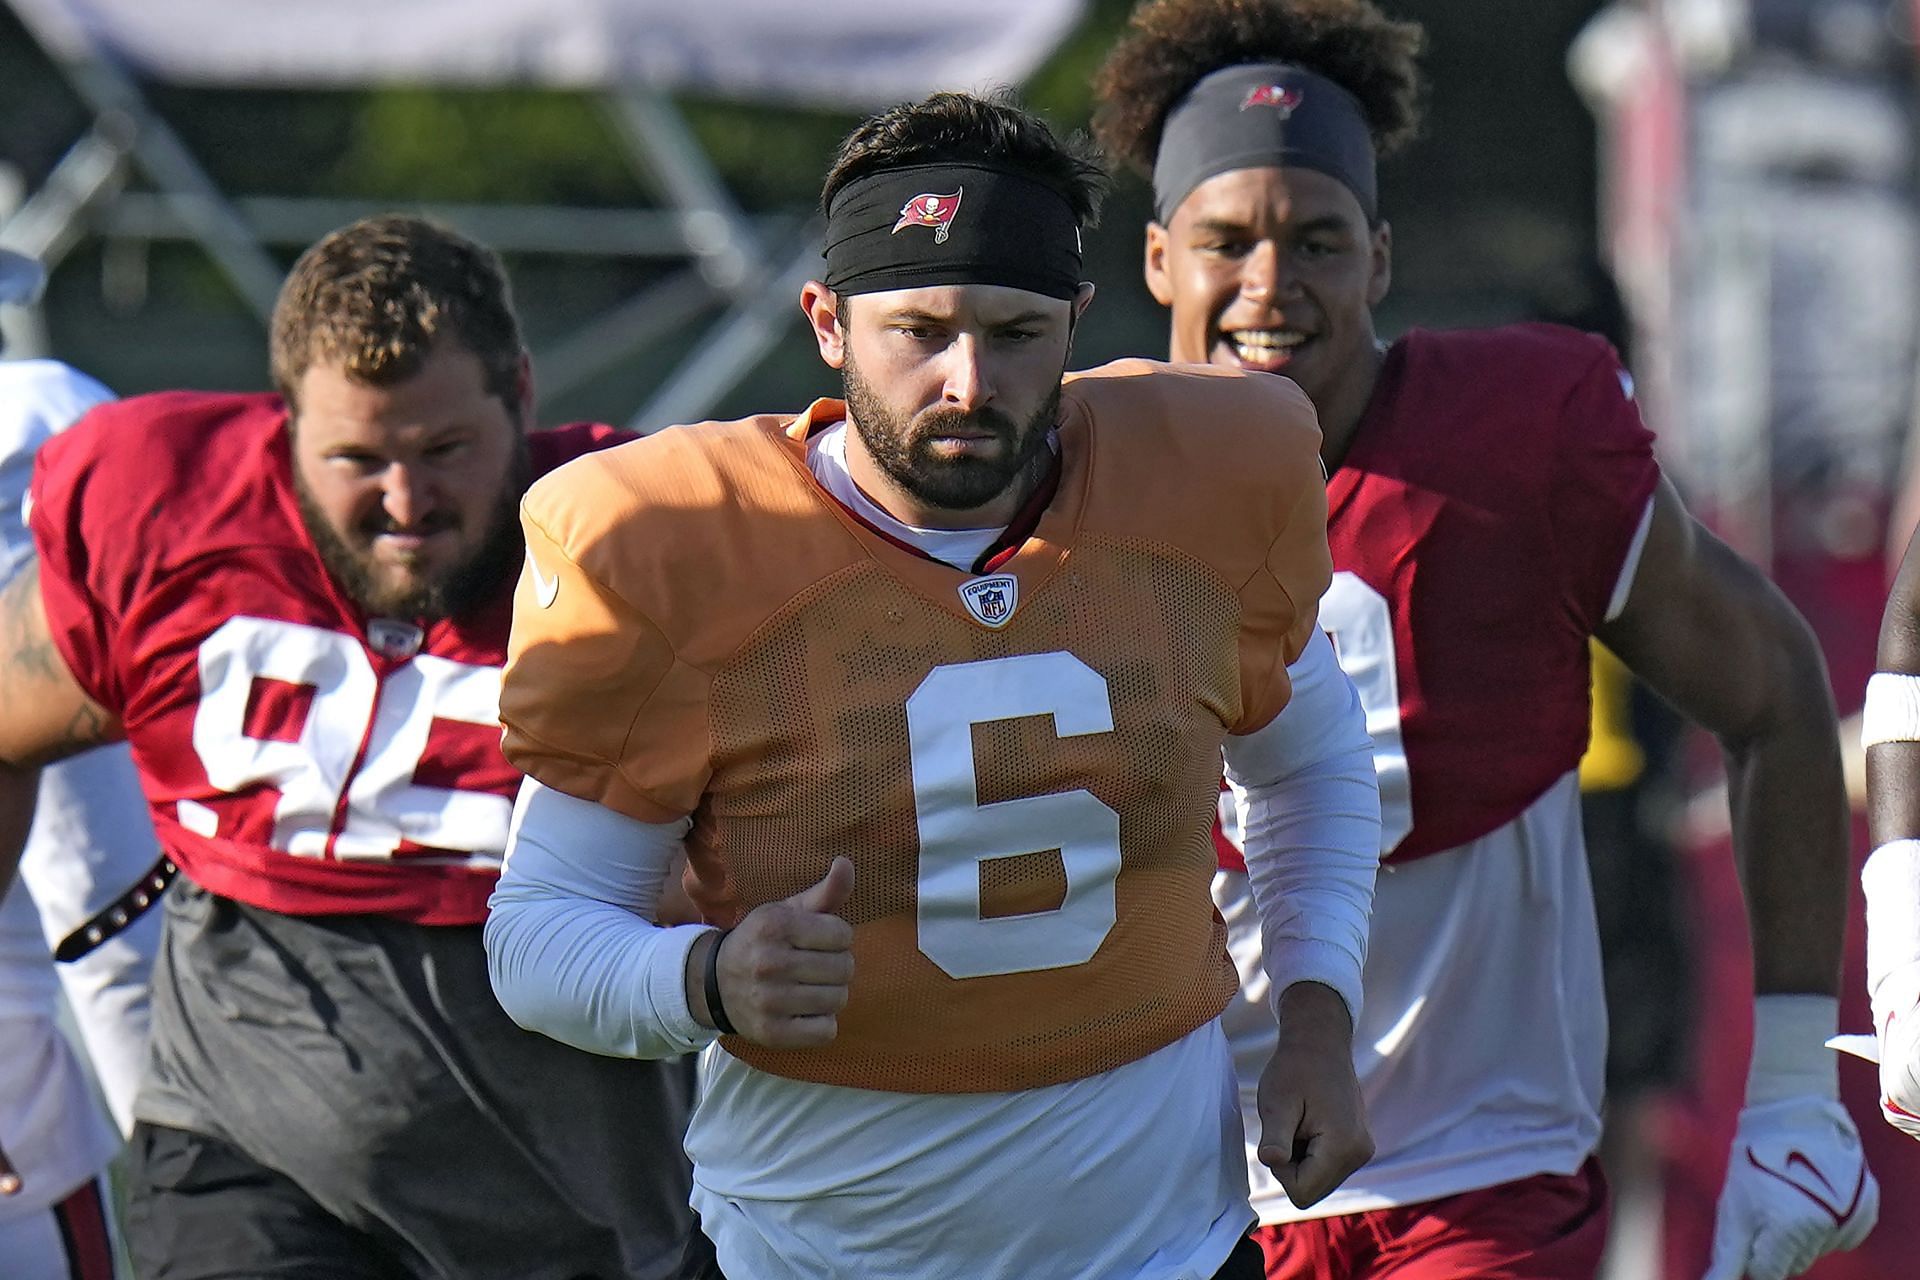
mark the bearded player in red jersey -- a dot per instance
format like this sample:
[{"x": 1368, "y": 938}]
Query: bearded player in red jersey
[
  {"x": 1493, "y": 503},
  {"x": 295, "y": 608}
]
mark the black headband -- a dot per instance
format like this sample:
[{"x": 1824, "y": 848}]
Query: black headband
[
  {"x": 955, "y": 223},
  {"x": 1263, "y": 114}
]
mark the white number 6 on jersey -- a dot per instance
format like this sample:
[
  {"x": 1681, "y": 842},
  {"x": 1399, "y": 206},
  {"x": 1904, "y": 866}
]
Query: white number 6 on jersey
[{"x": 958, "y": 833}]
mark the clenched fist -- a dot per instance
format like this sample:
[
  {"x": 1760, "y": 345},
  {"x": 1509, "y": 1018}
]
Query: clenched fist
[
  {"x": 1312, "y": 1119},
  {"x": 784, "y": 969}
]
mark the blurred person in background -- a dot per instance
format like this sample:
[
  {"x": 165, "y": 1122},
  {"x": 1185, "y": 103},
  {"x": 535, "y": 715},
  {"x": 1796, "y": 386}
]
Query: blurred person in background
[
  {"x": 294, "y": 606},
  {"x": 1758, "y": 205},
  {"x": 90, "y": 836},
  {"x": 1494, "y": 505},
  {"x": 89, "y": 862}
]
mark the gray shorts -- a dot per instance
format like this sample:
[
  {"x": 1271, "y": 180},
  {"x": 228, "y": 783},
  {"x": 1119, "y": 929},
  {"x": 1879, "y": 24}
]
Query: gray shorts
[{"x": 367, "y": 1061}]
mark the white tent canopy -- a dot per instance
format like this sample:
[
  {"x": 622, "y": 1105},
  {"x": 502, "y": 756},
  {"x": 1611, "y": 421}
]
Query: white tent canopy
[
  {"x": 850, "y": 53},
  {"x": 856, "y": 54}
]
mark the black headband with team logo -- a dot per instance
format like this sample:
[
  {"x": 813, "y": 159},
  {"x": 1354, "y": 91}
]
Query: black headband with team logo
[
  {"x": 957, "y": 223},
  {"x": 1263, "y": 114}
]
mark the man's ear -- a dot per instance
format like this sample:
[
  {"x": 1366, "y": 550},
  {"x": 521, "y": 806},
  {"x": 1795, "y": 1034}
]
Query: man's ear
[
  {"x": 1381, "y": 278},
  {"x": 1082, "y": 298},
  {"x": 822, "y": 310},
  {"x": 1156, "y": 265}
]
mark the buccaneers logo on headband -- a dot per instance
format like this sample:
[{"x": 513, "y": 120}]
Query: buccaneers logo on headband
[
  {"x": 930, "y": 210},
  {"x": 1281, "y": 98}
]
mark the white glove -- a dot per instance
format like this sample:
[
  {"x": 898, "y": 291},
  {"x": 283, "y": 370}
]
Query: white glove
[
  {"x": 1797, "y": 1182},
  {"x": 1797, "y": 1189},
  {"x": 1900, "y": 1071}
]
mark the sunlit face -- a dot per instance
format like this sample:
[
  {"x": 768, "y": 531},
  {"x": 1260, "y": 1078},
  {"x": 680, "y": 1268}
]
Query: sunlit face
[
  {"x": 951, "y": 389},
  {"x": 409, "y": 491},
  {"x": 1273, "y": 270}
]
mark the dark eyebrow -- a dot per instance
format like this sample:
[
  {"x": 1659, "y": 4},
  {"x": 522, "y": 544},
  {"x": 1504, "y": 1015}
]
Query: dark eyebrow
[
  {"x": 1228, "y": 226},
  {"x": 1325, "y": 222},
  {"x": 912, "y": 315},
  {"x": 1219, "y": 226}
]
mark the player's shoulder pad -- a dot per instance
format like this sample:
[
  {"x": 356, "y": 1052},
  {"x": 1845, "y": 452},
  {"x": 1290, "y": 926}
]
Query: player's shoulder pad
[
  {"x": 681, "y": 477},
  {"x": 173, "y": 442},
  {"x": 1539, "y": 363},
  {"x": 1205, "y": 405},
  {"x": 1190, "y": 451},
  {"x": 673, "y": 519}
]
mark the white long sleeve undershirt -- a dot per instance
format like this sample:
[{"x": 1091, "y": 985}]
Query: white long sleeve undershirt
[
  {"x": 1310, "y": 801},
  {"x": 571, "y": 946},
  {"x": 573, "y": 954}
]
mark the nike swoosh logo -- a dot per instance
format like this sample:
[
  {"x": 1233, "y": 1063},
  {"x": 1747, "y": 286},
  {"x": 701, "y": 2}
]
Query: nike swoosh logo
[
  {"x": 1840, "y": 1216},
  {"x": 546, "y": 590}
]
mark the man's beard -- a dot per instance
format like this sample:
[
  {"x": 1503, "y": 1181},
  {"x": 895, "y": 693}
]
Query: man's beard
[
  {"x": 449, "y": 593},
  {"x": 904, "y": 449}
]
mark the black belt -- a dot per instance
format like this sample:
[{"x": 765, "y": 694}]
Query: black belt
[{"x": 119, "y": 914}]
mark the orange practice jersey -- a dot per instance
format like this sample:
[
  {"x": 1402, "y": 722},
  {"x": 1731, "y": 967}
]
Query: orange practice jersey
[{"x": 1026, "y": 786}]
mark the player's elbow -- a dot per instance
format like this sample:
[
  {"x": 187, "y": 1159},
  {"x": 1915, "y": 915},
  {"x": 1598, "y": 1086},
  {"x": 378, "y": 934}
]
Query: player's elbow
[
  {"x": 500, "y": 938},
  {"x": 513, "y": 941},
  {"x": 1793, "y": 699}
]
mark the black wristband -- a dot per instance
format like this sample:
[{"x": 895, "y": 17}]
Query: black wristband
[{"x": 716, "y": 1010}]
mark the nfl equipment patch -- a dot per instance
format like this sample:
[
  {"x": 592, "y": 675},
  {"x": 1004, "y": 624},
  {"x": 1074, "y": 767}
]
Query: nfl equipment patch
[
  {"x": 992, "y": 599},
  {"x": 392, "y": 638}
]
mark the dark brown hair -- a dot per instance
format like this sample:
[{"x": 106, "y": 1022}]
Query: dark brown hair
[
  {"x": 991, "y": 129},
  {"x": 376, "y": 296},
  {"x": 1170, "y": 45}
]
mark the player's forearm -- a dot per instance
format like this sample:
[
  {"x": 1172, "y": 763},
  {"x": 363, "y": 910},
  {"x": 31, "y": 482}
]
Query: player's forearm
[
  {"x": 1890, "y": 720},
  {"x": 592, "y": 975},
  {"x": 1893, "y": 792},
  {"x": 1787, "y": 795},
  {"x": 572, "y": 949},
  {"x": 1311, "y": 807}
]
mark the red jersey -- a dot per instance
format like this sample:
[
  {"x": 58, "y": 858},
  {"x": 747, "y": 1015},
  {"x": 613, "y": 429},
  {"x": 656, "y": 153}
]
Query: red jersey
[
  {"x": 1479, "y": 524},
  {"x": 296, "y": 754}
]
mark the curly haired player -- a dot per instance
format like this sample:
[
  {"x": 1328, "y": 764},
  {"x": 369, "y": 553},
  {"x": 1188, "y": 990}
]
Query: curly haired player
[{"x": 1493, "y": 504}]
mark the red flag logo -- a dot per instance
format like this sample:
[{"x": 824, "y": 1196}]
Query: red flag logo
[
  {"x": 1280, "y": 97},
  {"x": 930, "y": 210}
]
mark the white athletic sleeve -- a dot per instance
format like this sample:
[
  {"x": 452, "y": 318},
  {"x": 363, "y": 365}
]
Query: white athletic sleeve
[
  {"x": 571, "y": 947},
  {"x": 1310, "y": 802}
]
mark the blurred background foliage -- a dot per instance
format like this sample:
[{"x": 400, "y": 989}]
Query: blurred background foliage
[{"x": 1493, "y": 209}]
